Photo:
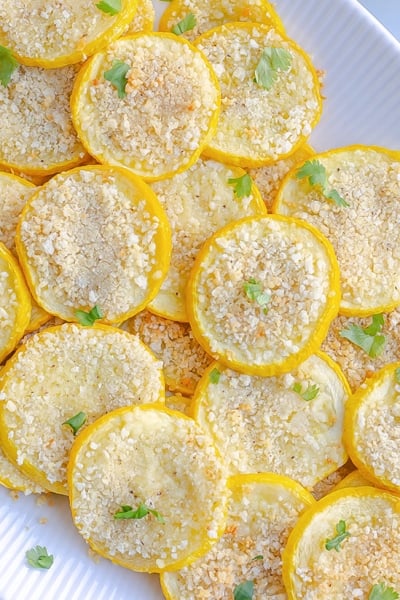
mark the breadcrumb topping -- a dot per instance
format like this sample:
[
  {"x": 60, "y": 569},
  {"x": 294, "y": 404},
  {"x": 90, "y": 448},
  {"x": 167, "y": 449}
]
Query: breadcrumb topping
[
  {"x": 261, "y": 424},
  {"x": 369, "y": 181},
  {"x": 66, "y": 370},
  {"x": 183, "y": 358},
  {"x": 36, "y": 130},
  {"x": 198, "y": 202},
  {"x": 291, "y": 265},
  {"x": 369, "y": 555},
  {"x": 159, "y": 459},
  {"x": 269, "y": 178},
  {"x": 260, "y": 518},
  {"x": 90, "y": 238},
  {"x": 257, "y": 123},
  {"x": 165, "y": 117},
  {"x": 46, "y": 29},
  {"x": 356, "y": 364}
]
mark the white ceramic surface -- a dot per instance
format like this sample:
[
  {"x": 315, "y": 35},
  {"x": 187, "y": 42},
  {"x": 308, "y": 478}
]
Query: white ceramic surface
[
  {"x": 362, "y": 64},
  {"x": 387, "y": 11}
]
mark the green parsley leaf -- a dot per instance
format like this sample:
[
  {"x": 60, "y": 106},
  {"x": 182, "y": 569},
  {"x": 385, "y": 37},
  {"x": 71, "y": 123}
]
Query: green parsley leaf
[
  {"x": 376, "y": 325},
  {"x": 309, "y": 393},
  {"x": 272, "y": 60},
  {"x": 215, "y": 376},
  {"x": 368, "y": 339},
  {"x": 335, "y": 196},
  {"x": 127, "y": 512},
  {"x": 76, "y": 422},
  {"x": 380, "y": 591},
  {"x": 117, "y": 77},
  {"x": 258, "y": 557},
  {"x": 342, "y": 534},
  {"x": 244, "y": 591},
  {"x": 8, "y": 64},
  {"x": 187, "y": 23},
  {"x": 254, "y": 292},
  {"x": 316, "y": 174},
  {"x": 315, "y": 171},
  {"x": 88, "y": 318},
  {"x": 397, "y": 375},
  {"x": 110, "y": 7},
  {"x": 242, "y": 185},
  {"x": 39, "y": 558}
]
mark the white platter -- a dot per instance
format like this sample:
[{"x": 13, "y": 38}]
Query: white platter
[{"x": 362, "y": 64}]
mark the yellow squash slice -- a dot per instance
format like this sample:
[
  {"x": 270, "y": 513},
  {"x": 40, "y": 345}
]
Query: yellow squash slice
[
  {"x": 94, "y": 236},
  {"x": 268, "y": 179},
  {"x": 160, "y": 469},
  {"x": 353, "y": 479},
  {"x": 212, "y": 13},
  {"x": 143, "y": 19},
  {"x": 352, "y": 195},
  {"x": 344, "y": 546},
  {"x": 36, "y": 132},
  {"x": 50, "y": 34},
  {"x": 15, "y": 304},
  {"x": 180, "y": 403},
  {"x": 358, "y": 362},
  {"x": 270, "y": 94},
  {"x": 12, "y": 478},
  {"x": 372, "y": 428},
  {"x": 290, "y": 425},
  {"x": 198, "y": 202},
  {"x": 262, "y": 294},
  {"x": 69, "y": 370},
  {"x": 262, "y": 511},
  {"x": 183, "y": 358},
  {"x": 14, "y": 192},
  {"x": 149, "y": 102},
  {"x": 332, "y": 481}
]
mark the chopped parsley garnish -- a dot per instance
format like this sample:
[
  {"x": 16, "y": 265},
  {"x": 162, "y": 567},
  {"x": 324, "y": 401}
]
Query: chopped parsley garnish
[
  {"x": 187, "y": 23},
  {"x": 272, "y": 60},
  {"x": 76, "y": 422},
  {"x": 370, "y": 338},
  {"x": 39, "y": 558},
  {"x": 258, "y": 557},
  {"x": 244, "y": 591},
  {"x": 215, "y": 376},
  {"x": 88, "y": 318},
  {"x": 342, "y": 534},
  {"x": 110, "y": 7},
  {"x": 117, "y": 76},
  {"x": 253, "y": 290},
  {"x": 380, "y": 591},
  {"x": 8, "y": 64},
  {"x": 316, "y": 174},
  {"x": 127, "y": 512},
  {"x": 397, "y": 375},
  {"x": 309, "y": 393},
  {"x": 242, "y": 185}
]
